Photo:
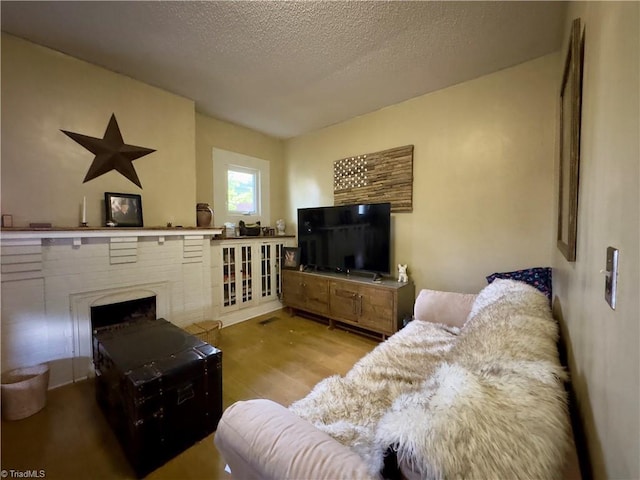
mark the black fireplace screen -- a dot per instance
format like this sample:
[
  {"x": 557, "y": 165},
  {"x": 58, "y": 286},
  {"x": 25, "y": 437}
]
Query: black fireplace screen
[{"x": 123, "y": 313}]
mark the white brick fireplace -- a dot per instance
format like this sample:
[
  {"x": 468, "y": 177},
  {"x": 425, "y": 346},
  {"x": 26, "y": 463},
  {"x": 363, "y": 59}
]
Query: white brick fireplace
[
  {"x": 50, "y": 281},
  {"x": 80, "y": 307}
]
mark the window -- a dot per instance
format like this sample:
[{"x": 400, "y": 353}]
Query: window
[
  {"x": 240, "y": 188},
  {"x": 242, "y": 191}
]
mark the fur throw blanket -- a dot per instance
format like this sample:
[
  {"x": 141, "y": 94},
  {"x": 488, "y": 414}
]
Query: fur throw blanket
[{"x": 485, "y": 401}]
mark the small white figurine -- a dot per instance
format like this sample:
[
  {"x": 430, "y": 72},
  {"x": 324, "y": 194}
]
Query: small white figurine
[
  {"x": 280, "y": 226},
  {"x": 402, "y": 273}
]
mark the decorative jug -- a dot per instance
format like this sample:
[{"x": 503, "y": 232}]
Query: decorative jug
[{"x": 204, "y": 215}]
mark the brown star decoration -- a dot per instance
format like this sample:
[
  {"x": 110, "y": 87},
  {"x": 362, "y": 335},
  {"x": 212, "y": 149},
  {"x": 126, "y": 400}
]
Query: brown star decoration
[{"x": 111, "y": 153}]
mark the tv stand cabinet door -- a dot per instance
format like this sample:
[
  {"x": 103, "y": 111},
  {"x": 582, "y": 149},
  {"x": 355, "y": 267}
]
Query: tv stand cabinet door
[
  {"x": 292, "y": 290},
  {"x": 377, "y": 309},
  {"x": 316, "y": 294},
  {"x": 305, "y": 292},
  {"x": 344, "y": 301}
]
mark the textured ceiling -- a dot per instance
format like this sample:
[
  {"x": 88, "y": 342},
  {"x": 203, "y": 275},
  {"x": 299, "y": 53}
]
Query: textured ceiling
[{"x": 287, "y": 68}]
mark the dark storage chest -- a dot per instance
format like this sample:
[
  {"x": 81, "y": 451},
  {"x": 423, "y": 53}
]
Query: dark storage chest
[{"x": 159, "y": 387}]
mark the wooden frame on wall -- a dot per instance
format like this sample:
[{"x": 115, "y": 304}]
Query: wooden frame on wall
[
  {"x": 569, "y": 137},
  {"x": 379, "y": 177}
]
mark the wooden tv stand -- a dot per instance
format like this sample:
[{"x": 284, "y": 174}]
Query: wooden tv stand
[{"x": 354, "y": 300}]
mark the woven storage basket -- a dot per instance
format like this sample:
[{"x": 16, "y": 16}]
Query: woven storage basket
[
  {"x": 212, "y": 330},
  {"x": 24, "y": 391},
  {"x": 197, "y": 331}
]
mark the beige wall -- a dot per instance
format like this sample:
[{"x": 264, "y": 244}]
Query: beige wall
[
  {"x": 44, "y": 91},
  {"x": 605, "y": 343},
  {"x": 211, "y": 132},
  {"x": 483, "y": 175}
]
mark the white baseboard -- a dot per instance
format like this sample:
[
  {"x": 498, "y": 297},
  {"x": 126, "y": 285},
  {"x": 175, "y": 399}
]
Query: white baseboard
[{"x": 248, "y": 313}]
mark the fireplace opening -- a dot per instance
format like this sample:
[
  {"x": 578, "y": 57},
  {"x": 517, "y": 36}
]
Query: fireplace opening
[{"x": 118, "y": 314}]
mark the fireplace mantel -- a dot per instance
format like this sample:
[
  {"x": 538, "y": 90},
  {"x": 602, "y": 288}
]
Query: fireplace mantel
[{"x": 103, "y": 232}]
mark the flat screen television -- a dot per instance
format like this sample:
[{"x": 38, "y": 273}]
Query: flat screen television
[{"x": 346, "y": 238}]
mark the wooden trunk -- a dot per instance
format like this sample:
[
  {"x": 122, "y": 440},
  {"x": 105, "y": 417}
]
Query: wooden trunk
[{"x": 159, "y": 387}]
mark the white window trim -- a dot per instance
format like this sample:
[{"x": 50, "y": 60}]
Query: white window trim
[{"x": 223, "y": 161}]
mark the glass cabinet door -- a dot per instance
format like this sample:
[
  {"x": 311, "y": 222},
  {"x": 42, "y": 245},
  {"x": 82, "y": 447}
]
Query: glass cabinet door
[
  {"x": 270, "y": 258},
  {"x": 228, "y": 276},
  {"x": 265, "y": 269},
  {"x": 245, "y": 270},
  {"x": 277, "y": 264}
]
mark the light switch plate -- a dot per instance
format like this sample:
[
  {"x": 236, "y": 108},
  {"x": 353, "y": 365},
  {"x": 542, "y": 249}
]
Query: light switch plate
[{"x": 611, "y": 277}]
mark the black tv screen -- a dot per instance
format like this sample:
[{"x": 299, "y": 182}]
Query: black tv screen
[{"x": 346, "y": 238}]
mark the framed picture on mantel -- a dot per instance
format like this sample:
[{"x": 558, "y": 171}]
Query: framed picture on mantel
[{"x": 123, "y": 209}]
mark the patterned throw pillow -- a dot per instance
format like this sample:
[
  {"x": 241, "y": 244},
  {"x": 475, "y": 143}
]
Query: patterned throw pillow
[{"x": 539, "y": 277}]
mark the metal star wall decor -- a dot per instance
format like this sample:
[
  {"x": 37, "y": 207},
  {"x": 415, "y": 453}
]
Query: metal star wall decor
[{"x": 111, "y": 153}]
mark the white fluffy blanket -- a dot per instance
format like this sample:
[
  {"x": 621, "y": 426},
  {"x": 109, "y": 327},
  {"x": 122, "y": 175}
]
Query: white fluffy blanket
[{"x": 487, "y": 402}]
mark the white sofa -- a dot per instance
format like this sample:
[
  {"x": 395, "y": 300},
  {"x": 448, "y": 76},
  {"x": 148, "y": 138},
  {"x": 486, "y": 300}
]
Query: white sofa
[{"x": 472, "y": 388}]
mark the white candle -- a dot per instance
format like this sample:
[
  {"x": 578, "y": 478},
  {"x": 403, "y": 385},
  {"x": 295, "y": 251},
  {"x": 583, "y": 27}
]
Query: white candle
[{"x": 84, "y": 209}]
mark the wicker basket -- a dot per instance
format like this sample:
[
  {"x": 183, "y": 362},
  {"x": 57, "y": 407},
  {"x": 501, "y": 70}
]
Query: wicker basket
[
  {"x": 196, "y": 331},
  {"x": 24, "y": 391},
  {"x": 213, "y": 330},
  {"x": 207, "y": 331}
]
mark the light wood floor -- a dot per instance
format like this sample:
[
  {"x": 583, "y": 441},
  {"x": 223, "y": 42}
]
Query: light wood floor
[{"x": 275, "y": 356}]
